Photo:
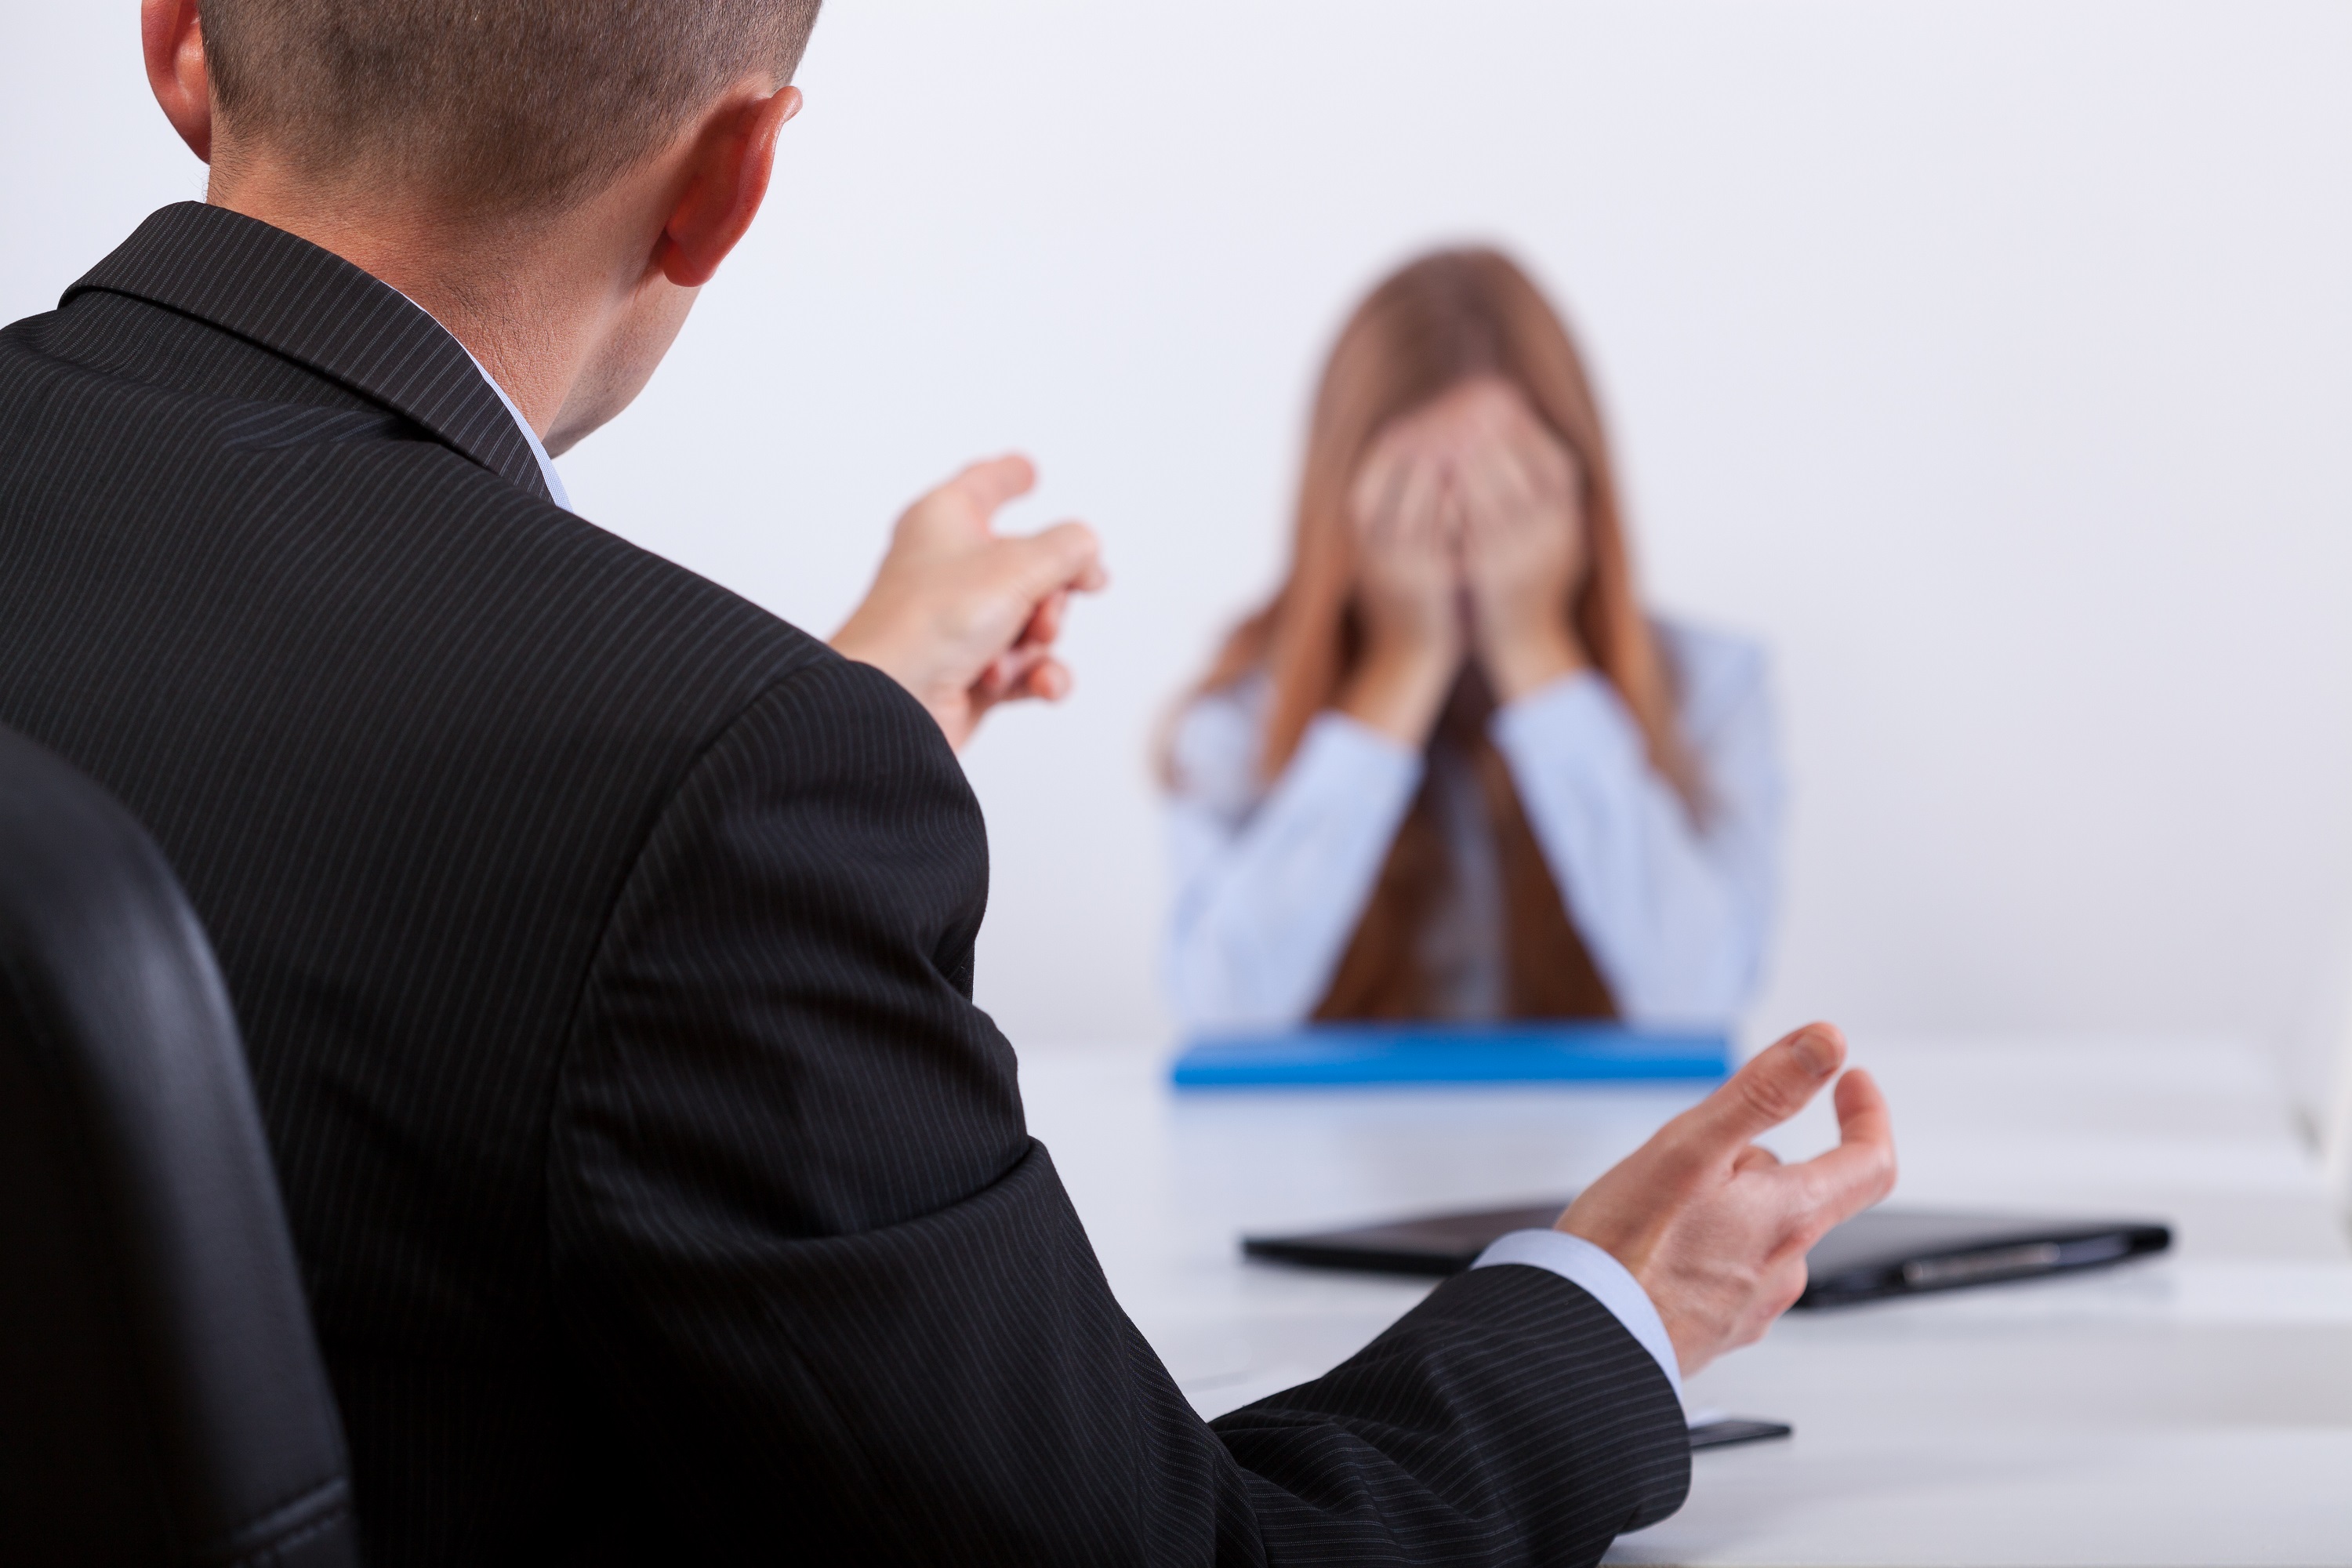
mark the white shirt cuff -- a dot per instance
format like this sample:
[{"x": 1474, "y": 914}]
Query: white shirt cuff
[{"x": 1602, "y": 1277}]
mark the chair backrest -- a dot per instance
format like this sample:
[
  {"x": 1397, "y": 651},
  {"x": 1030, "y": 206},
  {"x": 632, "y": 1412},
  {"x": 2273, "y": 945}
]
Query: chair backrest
[{"x": 161, "y": 1398}]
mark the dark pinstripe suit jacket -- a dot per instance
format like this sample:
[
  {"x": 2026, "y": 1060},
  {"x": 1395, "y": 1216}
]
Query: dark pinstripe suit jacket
[{"x": 604, "y": 947}]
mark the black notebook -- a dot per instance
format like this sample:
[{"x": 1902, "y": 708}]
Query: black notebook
[{"x": 1879, "y": 1253}]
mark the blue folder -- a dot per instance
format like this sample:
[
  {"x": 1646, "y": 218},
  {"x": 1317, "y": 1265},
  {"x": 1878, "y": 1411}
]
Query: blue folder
[{"x": 1325, "y": 1054}]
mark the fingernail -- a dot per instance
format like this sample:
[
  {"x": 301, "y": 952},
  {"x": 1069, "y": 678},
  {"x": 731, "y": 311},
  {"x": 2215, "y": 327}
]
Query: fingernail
[{"x": 1814, "y": 1053}]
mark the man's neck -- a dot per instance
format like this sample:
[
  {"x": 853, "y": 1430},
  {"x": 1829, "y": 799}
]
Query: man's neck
[{"x": 514, "y": 295}]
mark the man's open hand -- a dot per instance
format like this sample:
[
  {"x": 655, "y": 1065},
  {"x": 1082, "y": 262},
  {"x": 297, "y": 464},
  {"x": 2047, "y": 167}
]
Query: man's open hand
[
  {"x": 1715, "y": 1228},
  {"x": 966, "y": 618}
]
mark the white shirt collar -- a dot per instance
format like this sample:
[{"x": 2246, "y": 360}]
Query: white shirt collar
[
  {"x": 546, "y": 463},
  {"x": 538, "y": 449}
]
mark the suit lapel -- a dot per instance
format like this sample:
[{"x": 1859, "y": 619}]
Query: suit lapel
[{"x": 293, "y": 297}]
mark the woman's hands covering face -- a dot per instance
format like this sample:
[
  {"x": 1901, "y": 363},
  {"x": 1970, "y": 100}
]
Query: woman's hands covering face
[
  {"x": 1469, "y": 539},
  {"x": 1408, "y": 531},
  {"x": 1407, "y": 524},
  {"x": 1523, "y": 539}
]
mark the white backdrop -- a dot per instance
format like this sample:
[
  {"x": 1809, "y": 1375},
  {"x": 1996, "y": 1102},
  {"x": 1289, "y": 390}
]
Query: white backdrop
[{"x": 1992, "y": 360}]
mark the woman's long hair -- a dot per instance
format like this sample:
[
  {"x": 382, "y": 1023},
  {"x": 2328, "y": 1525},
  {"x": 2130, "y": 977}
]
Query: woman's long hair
[{"x": 1449, "y": 317}]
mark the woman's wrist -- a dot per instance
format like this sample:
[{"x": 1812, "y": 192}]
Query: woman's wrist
[
  {"x": 1519, "y": 665},
  {"x": 1401, "y": 691}
]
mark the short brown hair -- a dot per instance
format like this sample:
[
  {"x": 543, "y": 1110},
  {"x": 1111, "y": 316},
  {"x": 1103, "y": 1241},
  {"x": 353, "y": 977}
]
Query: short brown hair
[{"x": 497, "y": 106}]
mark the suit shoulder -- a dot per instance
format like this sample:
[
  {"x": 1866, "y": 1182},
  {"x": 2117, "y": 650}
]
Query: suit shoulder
[
  {"x": 832, "y": 803},
  {"x": 831, "y": 725}
]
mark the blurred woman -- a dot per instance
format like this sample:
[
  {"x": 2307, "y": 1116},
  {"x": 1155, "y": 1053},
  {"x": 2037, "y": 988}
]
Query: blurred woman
[{"x": 1453, "y": 771}]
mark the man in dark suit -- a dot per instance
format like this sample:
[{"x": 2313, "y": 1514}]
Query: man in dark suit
[{"x": 603, "y": 944}]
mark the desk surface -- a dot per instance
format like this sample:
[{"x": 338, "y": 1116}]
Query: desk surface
[{"x": 2195, "y": 1409}]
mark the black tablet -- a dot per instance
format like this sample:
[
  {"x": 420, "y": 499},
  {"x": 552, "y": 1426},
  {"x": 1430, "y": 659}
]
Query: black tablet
[
  {"x": 1883, "y": 1252},
  {"x": 1725, "y": 1431}
]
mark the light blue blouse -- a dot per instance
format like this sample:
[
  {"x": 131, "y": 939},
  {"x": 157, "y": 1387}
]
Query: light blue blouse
[{"x": 1270, "y": 882}]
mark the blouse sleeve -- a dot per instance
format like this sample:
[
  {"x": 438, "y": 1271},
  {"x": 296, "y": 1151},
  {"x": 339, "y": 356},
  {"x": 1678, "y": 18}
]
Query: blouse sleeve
[
  {"x": 1674, "y": 911},
  {"x": 1269, "y": 886}
]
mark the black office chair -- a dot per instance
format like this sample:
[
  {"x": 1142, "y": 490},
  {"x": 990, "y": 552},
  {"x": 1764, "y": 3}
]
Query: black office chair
[{"x": 162, "y": 1399}]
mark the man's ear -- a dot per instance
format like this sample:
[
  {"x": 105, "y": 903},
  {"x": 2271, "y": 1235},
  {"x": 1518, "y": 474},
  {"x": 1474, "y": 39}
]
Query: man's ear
[
  {"x": 727, "y": 179},
  {"x": 175, "y": 44}
]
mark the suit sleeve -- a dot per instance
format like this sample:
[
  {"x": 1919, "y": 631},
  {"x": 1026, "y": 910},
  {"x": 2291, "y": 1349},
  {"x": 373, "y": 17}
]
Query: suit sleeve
[{"x": 829, "y": 1299}]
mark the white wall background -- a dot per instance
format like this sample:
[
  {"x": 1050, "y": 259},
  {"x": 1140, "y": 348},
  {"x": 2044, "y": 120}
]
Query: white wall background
[{"x": 1993, "y": 360}]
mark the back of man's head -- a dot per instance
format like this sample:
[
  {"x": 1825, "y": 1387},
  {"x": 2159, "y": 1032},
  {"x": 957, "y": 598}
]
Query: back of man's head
[{"x": 497, "y": 108}]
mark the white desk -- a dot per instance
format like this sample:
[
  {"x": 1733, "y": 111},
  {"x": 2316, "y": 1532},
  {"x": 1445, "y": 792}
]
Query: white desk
[{"x": 2195, "y": 1409}]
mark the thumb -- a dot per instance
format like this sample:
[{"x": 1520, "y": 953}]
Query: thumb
[
  {"x": 1779, "y": 1083},
  {"x": 1066, "y": 556},
  {"x": 989, "y": 484}
]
